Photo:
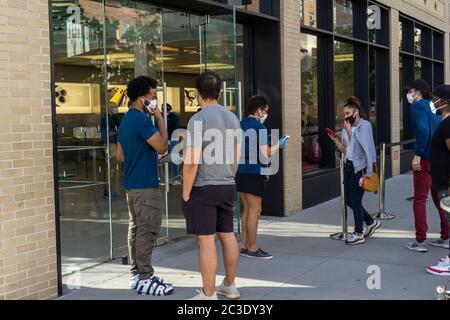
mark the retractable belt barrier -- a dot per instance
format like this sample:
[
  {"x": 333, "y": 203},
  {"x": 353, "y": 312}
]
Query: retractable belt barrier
[{"x": 342, "y": 235}]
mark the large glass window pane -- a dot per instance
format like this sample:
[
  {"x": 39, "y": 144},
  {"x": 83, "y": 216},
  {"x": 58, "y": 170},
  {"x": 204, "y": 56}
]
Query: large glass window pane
[
  {"x": 438, "y": 73},
  {"x": 372, "y": 91},
  {"x": 133, "y": 48},
  {"x": 343, "y": 17},
  {"x": 308, "y": 13},
  {"x": 438, "y": 46},
  {"x": 311, "y": 149},
  {"x": 407, "y": 74},
  {"x": 417, "y": 40},
  {"x": 80, "y": 76},
  {"x": 402, "y": 97},
  {"x": 379, "y": 35},
  {"x": 427, "y": 72},
  {"x": 343, "y": 77},
  {"x": 426, "y": 39},
  {"x": 407, "y": 35},
  {"x": 418, "y": 69}
]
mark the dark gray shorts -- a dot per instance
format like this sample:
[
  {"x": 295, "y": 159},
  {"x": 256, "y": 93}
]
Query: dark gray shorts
[{"x": 210, "y": 210}]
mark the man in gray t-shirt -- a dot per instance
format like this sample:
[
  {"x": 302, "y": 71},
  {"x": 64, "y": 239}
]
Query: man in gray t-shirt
[
  {"x": 212, "y": 130},
  {"x": 213, "y": 145}
]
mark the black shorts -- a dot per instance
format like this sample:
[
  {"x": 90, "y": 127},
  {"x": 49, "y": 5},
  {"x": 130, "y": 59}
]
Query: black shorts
[
  {"x": 210, "y": 210},
  {"x": 250, "y": 183}
]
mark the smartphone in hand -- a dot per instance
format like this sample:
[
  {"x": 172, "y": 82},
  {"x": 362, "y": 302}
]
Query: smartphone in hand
[
  {"x": 285, "y": 138},
  {"x": 331, "y": 132}
]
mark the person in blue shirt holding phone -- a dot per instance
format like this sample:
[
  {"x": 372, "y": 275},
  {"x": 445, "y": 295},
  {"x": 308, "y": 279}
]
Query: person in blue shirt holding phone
[
  {"x": 250, "y": 180},
  {"x": 139, "y": 144}
]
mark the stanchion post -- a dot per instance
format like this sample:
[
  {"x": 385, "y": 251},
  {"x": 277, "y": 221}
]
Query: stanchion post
[
  {"x": 382, "y": 214},
  {"x": 342, "y": 235}
]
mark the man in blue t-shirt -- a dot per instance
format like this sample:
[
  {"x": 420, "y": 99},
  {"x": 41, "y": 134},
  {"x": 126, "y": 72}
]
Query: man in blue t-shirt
[
  {"x": 424, "y": 123},
  {"x": 138, "y": 146}
]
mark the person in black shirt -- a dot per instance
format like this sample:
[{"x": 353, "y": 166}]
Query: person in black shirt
[
  {"x": 440, "y": 146},
  {"x": 440, "y": 164}
]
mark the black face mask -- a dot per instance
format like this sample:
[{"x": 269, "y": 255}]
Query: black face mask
[{"x": 351, "y": 119}]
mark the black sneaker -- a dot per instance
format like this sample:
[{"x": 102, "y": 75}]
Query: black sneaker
[
  {"x": 259, "y": 254},
  {"x": 243, "y": 252}
]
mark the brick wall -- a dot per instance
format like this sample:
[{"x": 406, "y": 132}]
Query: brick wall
[
  {"x": 27, "y": 212},
  {"x": 290, "y": 50}
]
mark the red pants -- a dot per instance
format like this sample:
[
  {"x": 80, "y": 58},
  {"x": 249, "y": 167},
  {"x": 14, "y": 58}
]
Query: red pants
[{"x": 422, "y": 186}]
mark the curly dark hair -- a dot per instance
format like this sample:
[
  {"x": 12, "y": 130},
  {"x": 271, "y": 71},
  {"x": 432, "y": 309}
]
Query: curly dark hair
[
  {"x": 140, "y": 86},
  {"x": 208, "y": 85},
  {"x": 255, "y": 103}
]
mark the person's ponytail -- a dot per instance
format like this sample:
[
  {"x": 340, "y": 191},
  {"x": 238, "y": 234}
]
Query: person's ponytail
[{"x": 354, "y": 103}]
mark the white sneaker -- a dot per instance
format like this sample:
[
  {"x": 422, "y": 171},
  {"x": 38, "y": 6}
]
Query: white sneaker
[
  {"x": 416, "y": 246},
  {"x": 354, "y": 239},
  {"x": 439, "y": 243},
  {"x": 445, "y": 204},
  {"x": 370, "y": 230},
  {"x": 442, "y": 269},
  {"x": 230, "y": 292},
  {"x": 201, "y": 296},
  {"x": 134, "y": 280}
]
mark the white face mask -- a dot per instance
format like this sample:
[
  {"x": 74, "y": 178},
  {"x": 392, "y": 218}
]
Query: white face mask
[
  {"x": 263, "y": 118},
  {"x": 150, "y": 104},
  {"x": 433, "y": 106},
  {"x": 411, "y": 97}
]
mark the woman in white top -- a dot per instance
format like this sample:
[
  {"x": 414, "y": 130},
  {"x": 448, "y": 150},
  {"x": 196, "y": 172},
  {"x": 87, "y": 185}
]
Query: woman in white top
[{"x": 360, "y": 155}]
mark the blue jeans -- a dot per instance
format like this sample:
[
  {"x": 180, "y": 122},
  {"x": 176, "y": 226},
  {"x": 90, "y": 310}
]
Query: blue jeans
[{"x": 353, "y": 197}]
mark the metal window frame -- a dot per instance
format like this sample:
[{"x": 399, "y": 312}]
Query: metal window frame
[
  {"x": 432, "y": 66},
  {"x": 325, "y": 54}
]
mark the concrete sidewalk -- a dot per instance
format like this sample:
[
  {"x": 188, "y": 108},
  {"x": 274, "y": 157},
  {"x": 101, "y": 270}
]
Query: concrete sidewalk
[{"x": 307, "y": 264}]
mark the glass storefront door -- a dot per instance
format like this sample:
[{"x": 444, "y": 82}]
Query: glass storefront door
[
  {"x": 99, "y": 46},
  {"x": 193, "y": 44},
  {"x": 79, "y": 91}
]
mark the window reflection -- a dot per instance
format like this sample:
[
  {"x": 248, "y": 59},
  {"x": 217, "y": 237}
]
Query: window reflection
[
  {"x": 308, "y": 13},
  {"x": 311, "y": 149},
  {"x": 343, "y": 77},
  {"x": 418, "y": 69},
  {"x": 417, "y": 40},
  {"x": 343, "y": 17},
  {"x": 372, "y": 91},
  {"x": 81, "y": 152}
]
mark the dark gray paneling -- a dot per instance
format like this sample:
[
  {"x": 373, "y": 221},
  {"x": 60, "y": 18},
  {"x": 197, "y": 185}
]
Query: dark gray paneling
[
  {"x": 314, "y": 191},
  {"x": 266, "y": 69}
]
